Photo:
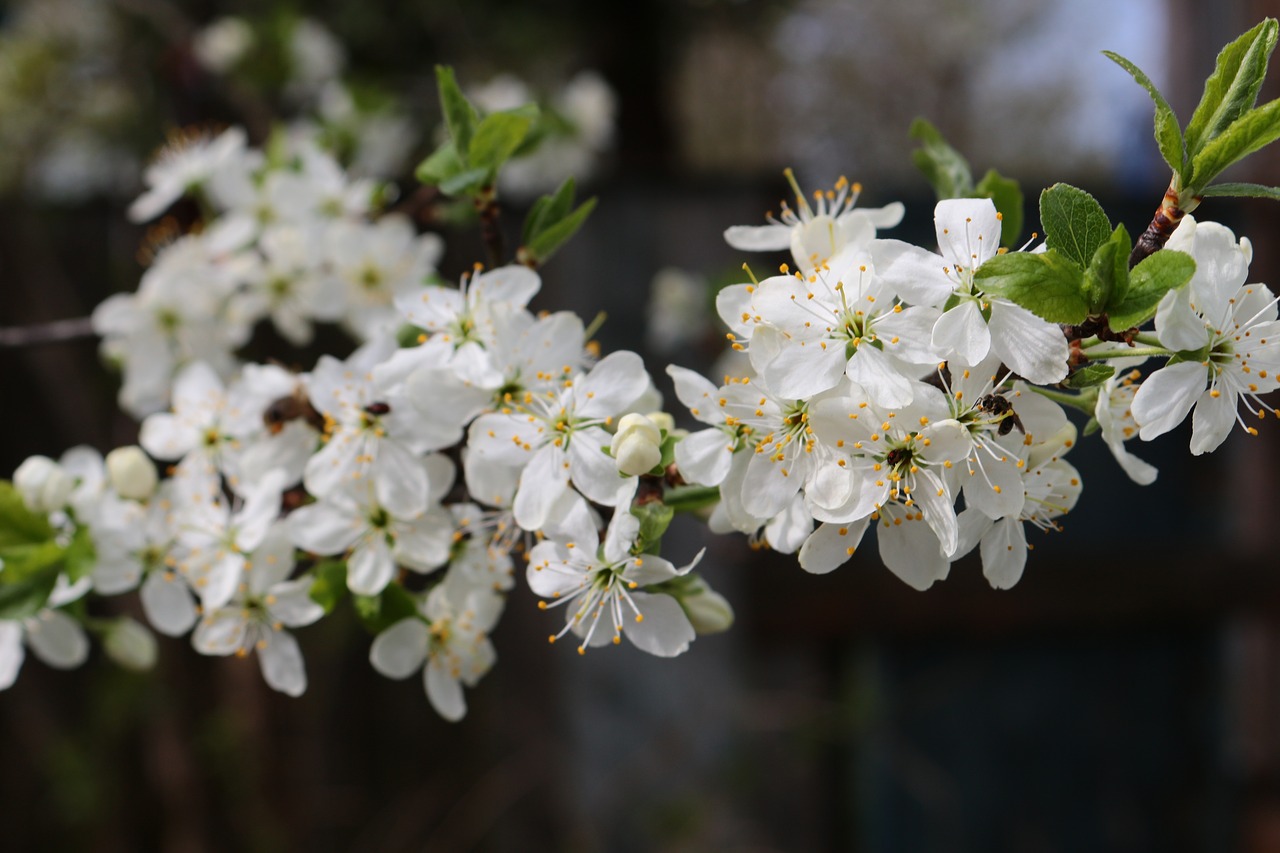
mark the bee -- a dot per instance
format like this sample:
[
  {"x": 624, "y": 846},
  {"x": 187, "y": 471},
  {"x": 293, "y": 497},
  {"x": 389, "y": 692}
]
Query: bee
[
  {"x": 291, "y": 408},
  {"x": 999, "y": 406}
]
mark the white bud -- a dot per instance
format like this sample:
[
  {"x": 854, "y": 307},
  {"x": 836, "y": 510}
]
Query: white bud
[
  {"x": 222, "y": 44},
  {"x": 130, "y": 644},
  {"x": 132, "y": 473},
  {"x": 662, "y": 420},
  {"x": 44, "y": 484},
  {"x": 637, "y": 445},
  {"x": 709, "y": 612}
]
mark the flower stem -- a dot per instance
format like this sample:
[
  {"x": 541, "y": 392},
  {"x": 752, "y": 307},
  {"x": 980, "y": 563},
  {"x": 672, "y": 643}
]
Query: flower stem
[
  {"x": 1129, "y": 352},
  {"x": 1084, "y": 402}
]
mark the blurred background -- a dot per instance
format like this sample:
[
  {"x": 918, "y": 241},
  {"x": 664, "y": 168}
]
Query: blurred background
[{"x": 1125, "y": 696}]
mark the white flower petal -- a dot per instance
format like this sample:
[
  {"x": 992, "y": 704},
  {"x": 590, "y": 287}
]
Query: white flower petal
[
  {"x": 1034, "y": 348},
  {"x": 281, "y": 662},
  {"x": 11, "y": 652},
  {"x": 399, "y": 651},
  {"x": 220, "y": 632},
  {"x": 1212, "y": 421},
  {"x": 444, "y": 691},
  {"x": 1166, "y": 396},
  {"x": 962, "y": 331},
  {"x": 831, "y": 546},
  {"x": 57, "y": 639},
  {"x": 168, "y": 603},
  {"x": 1004, "y": 553},
  {"x": 665, "y": 630},
  {"x": 758, "y": 238},
  {"x": 370, "y": 568}
]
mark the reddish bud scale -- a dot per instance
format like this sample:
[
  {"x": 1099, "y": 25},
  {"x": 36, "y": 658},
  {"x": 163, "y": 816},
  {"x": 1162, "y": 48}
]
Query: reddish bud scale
[{"x": 1166, "y": 219}]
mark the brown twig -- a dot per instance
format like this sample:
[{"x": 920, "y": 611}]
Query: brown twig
[{"x": 52, "y": 332}]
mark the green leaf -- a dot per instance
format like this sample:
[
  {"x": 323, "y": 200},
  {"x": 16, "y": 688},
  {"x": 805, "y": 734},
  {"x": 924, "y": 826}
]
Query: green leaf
[
  {"x": 547, "y": 210},
  {"x": 1107, "y": 276},
  {"x": 328, "y": 583},
  {"x": 380, "y": 612},
  {"x": 1168, "y": 133},
  {"x": 1149, "y": 281},
  {"x": 28, "y": 596},
  {"x": 691, "y": 498},
  {"x": 552, "y": 238},
  {"x": 668, "y": 450},
  {"x": 498, "y": 136},
  {"x": 1090, "y": 427},
  {"x": 466, "y": 182},
  {"x": 1090, "y": 375},
  {"x": 459, "y": 115},
  {"x": 80, "y": 556},
  {"x": 1008, "y": 199},
  {"x": 1252, "y": 131},
  {"x": 1074, "y": 223},
  {"x": 1046, "y": 284},
  {"x": 1241, "y": 190},
  {"x": 655, "y": 517},
  {"x": 30, "y": 572},
  {"x": 1232, "y": 88},
  {"x": 943, "y": 166},
  {"x": 440, "y": 166},
  {"x": 18, "y": 524}
]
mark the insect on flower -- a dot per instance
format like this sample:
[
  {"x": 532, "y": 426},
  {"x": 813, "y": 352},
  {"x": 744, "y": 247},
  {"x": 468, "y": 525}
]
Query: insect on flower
[{"x": 999, "y": 407}]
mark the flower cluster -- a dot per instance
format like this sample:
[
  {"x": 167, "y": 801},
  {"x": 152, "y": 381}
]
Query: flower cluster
[
  {"x": 291, "y": 239},
  {"x": 883, "y": 386}
]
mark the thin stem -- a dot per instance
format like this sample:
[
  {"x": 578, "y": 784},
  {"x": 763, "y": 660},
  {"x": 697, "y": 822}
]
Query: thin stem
[
  {"x": 52, "y": 332},
  {"x": 1129, "y": 352},
  {"x": 1084, "y": 402},
  {"x": 491, "y": 227}
]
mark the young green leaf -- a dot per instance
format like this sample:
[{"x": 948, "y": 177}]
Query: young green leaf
[
  {"x": 328, "y": 583},
  {"x": 548, "y": 210},
  {"x": 380, "y": 612},
  {"x": 80, "y": 556},
  {"x": 497, "y": 136},
  {"x": 1008, "y": 199},
  {"x": 1149, "y": 281},
  {"x": 1107, "y": 276},
  {"x": 441, "y": 165},
  {"x": 654, "y": 517},
  {"x": 1254, "y": 130},
  {"x": 1168, "y": 133},
  {"x": 1232, "y": 88},
  {"x": 1074, "y": 223},
  {"x": 1241, "y": 190},
  {"x": 1089, "y": 376},
  {"x": 553, "y": 237},
  {"x": 19, "y": 525},
  {"x": 28, "y": 596},
  {"x": 459, "y": 115},
  {"x": 467, "y": 182},
  {"x": 943, "y": 166},
  {"x": 1046, "y": 284}
]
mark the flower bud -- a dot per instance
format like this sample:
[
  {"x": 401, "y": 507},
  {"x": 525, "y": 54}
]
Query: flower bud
[
  {"x": 637, "y": 445},
  {"x": 130, "y": 644},
  {"x": 709, "y": 612},
  {"x": 662, "y": 420},
  {"x": 43, "y": 484},
  {"x": 132, "y": 473}
]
